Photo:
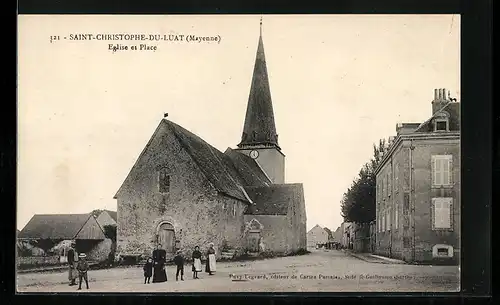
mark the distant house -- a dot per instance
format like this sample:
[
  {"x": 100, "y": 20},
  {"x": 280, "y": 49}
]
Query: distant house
[
  {"x": 106, "y": 217},
  {"x": 51, "y": 233},
  {"x": 337, "y": 235},
  {"x": 347, "y": 229},
  {"x": 317, "y": 237}
]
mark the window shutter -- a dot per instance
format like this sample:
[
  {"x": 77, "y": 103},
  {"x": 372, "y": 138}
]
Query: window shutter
[
  {"x": 447, "y": 207},
  {"x": 433, "y": 170},
  {"x": 446, "y": 171},
  {"x": 450, "y": 170}
]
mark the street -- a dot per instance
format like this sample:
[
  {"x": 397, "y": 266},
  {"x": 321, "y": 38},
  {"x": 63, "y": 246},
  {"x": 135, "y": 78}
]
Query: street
[{"x": 321, "y": 270}]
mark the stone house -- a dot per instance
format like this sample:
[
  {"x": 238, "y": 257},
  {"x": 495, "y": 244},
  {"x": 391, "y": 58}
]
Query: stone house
[
  {"x": 316, "y": 237},
  {"x": 337, "y": 235},
  {"x": 182, "y": 192},
  {"x": 418, "y": 188},
  {"x": 347, "y": 229},
  {"x": 50, "y": 235}
]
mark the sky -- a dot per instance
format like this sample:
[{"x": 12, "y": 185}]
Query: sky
[{"x": 339, "y": 83}]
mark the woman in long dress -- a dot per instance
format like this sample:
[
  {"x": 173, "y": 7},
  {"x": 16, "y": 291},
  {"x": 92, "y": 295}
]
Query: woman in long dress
[
  {"x": 159, "y": 270},
  {"x": 210, "y": 268},
  {"x": 196, "y": 262}
]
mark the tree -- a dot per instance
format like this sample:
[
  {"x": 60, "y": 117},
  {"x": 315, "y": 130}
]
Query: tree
[
  {"x": 358, "y": 202},
  {"x": 110, "y": 232}
]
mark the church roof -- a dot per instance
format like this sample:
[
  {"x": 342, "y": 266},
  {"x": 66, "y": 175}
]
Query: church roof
[
  {"x": 56, "y": 226},
  {"x": 259, "y": 127},
  {"x": 247, "y": 168},
  {"x": 272, "y": 200},
  {"x": 211, "y": 161}
]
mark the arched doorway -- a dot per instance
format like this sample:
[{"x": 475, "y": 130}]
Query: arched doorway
[{"x": 166, "y": 237}]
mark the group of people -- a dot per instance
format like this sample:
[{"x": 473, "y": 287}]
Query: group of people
[{"x": 155, "y": 266}]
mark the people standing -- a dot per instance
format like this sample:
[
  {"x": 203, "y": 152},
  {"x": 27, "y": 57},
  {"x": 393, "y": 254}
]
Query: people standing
[
  {"x": 72, "y": 260},
  {"x": 210, "y": 268},
  {"x": 179, "y": 262},
  {"x": 159, "y": 269},
  {"x": 82, "y": 267},
  {"x": 148, "y": 270},
  {"x": 196, "y": 262}
]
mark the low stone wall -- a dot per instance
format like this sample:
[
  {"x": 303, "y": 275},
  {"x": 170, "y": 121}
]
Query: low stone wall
[{"x": 24, "y": 262}]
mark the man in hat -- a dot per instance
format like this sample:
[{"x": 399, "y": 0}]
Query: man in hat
[
  {"x": 179, "y": 262},
  {"x": 82, "y": 267},
  {"x": 72, "y": 260}
]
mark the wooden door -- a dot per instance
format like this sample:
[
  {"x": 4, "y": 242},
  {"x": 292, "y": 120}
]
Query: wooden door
[
  {"x": 253, "y": 241},
  {"x": 166, "y": 238}
]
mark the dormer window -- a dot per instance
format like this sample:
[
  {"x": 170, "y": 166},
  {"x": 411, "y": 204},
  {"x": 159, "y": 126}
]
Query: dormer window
[
  {"x": 441, "y": 125},
  {"x": 441, "y": 122}
]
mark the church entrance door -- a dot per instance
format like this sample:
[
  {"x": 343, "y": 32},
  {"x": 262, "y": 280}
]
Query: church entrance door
[
  {"x": 253, "y": 239},
  {"x": 166, "y": 238}
]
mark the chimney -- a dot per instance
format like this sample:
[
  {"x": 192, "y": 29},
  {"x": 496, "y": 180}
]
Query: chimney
[{"x": 440, "y": 99}]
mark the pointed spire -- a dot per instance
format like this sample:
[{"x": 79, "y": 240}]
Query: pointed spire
[{"x": 259, "y": 128}]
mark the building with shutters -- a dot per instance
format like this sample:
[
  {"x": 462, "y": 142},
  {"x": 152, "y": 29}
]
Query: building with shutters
[
  {"x": 182, "y": 192},
  {"x": 418, "y": 188}
]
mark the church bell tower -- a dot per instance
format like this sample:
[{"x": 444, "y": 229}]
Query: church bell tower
[{"x": 259, "y": 139}]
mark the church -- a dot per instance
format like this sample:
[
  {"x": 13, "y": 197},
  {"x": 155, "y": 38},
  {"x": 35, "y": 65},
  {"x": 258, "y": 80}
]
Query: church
[{"x": 182, "y": 192}]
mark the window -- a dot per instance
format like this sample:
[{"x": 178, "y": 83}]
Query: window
[
  {"x": 441, "y": 121},
  {"x": 388, "y": 220},
  {"x": 396, "y": 177},
  {"x": 406, "y": 203},
  {"x": 442, "y": 208},
  {"x": 396, "y": 220},
  {"x": 389, "y": 184},
  {"x": 442, "y": 169},
  {"x": 383, "y": 223},
  {"x": 163, "y": 181},
  {"x": 234, "y": 209},
  {"x": 383, "y": 187},
  {"x": 441, "y": 125}
]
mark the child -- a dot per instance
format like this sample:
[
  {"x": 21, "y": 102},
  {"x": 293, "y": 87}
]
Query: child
[
  {"x": 148, "y": 270},
  {"x": 196, "y": 262},
  {"x": 82, "y": 266},
  {"x": 179, "y": 262}
]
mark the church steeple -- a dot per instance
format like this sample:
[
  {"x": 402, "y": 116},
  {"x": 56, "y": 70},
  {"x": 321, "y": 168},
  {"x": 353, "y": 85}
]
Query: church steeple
[{"x": 259, "y": 128}]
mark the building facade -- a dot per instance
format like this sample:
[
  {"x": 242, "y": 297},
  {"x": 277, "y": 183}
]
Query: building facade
[
  {"x": 418, "y": 188},
  {"x": 52, "y": 235},
  {"x": 316, "y": 237},
  {"x": 182, "y": 192}
]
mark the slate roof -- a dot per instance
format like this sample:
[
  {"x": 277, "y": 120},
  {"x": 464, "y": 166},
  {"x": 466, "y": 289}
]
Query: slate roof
[
  {"x": 453, "y": 109},
  {"x": 112, "y": 214},
  {"x": 247, "y": 168},
  {"x": 58, "y": 226},
  {"x": 272, "y": 200},
  {"x": 259, "y": 127},
  {"x": 330, "y": 233},
  {"x": 217, "y": 167}
]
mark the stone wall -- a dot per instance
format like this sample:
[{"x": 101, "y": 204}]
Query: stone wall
[
  {"x": 198, "y": 213},
  {"x": 37, "y": 261},
  {"x": 273, "y": 232},
  {"x": 100, "y": 252}
]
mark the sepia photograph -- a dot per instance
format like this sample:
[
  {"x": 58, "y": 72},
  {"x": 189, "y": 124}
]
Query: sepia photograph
[{"x": 238, "y": 153}]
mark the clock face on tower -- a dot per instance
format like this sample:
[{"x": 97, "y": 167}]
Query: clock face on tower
[{"x": 254, "y": 154}]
